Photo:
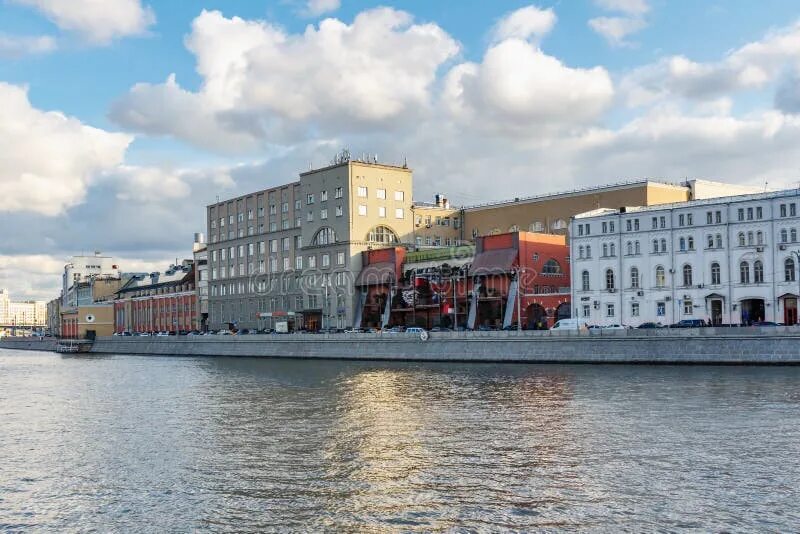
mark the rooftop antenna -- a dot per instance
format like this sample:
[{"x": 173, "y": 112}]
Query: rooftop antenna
[
  {"x": 405, "y": 162},
  {"x": 766, "y": 183}
]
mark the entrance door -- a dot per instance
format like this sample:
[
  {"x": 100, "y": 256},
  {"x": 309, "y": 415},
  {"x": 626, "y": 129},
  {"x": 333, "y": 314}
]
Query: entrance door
[
  {"x": 716, "y": 312},
  {"x": 752, "y": 311},
  {"x": 789, "y": 311}
]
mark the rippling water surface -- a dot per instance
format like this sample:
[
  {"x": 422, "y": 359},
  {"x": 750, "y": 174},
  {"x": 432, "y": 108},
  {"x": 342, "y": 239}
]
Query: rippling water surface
[{"x": 218, "y": 444}]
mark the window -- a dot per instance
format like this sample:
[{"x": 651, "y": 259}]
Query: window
[
  {"x": 609, "y": 310},
  {"x": 273, "y": 226},
  {"x": 610, "y": 279},
  {"x": 287, "y": 264},
  {"x": 338, "y": 192},
  {"x": 285, "y": 207},
  {"x": 399, "y": 196},
  {"x": 340, "y": 258},
  {"x": 362, "y": 210},
  {"x": 310, "y": 198},
  {"x": 784, "y": 236},
  {"x": 361, "y": 191},
  {"x": 381, "y": 211},
  {"x": 250, "y": 249},
  {"x": 681, "y": 220},
  {"x": 580, "y": 228},
  {"x": 749, "y": 214},
  {"x": 682, "y": 244},
  {"x": 661, "y": 309},
  {"x": 605, "y": 250},
  {"x": 323, "y": 213},
  {"x": 613, "y": 249},
  {"x": 709, "y": 217},
  {"x": 382, "y": 234},
  {"x": 783, "y": 210},
  {"x": 758, "y": 272},
  {"x": 634, "y": 278},
  {"x": 326, "y": 260},
  {"x": 629, "y": 247},
  {"x": 688, "y": 308},
  {"x": 661, "y": 277},
  {"x": 634, "y": 309},
  {"x": 710, "y": 241},
  {"x": 273, "y": 245},
  {"x": 744, "y": 272},
  {"x": 716, "y": 274},
  {"x": 760, "y": 237},
  {"x": 741, "y": 239},
  {"x": 740, "y": 214},
  {"x": 663, "y": 245},
  {"x": 312, "y": 261},
  {"x": 298, "y": 242},
  {"x": 297, "y": 205},
  {"x": 285, "y": 245},
  {"x": 381, "y": 194},
  {"x": 655, "y": 246},
  {"x": 689, "y": 219},
  {"x": 586, "y": 310},
  {"x": 398, "y": 213},
  {"x": 604, "y": 227},
  {"x": 718, "y": 217},
  {"x": 580, "y": 252},
  {"x": 719, "y": 240},
  {"x": 662, "y": 221},
  {"x": 636, "y": 224},
  {"x": 750, "y": 239},
  {"x": 585, "y": 280},
  {"x": 793, "y": 209},
  {"x": 691, "y": 243},
  {"x": 339, "y": 211},
  {"x": 759, "y": 212},
  {"x": 551, "y": 267},
  {"x": 629, "y": 225},
  {"x": 298, "y": 263},
  {"x": 654, "y": 223},
  {"x": 324, "y": 236},
  {"x": 788, "y": 270},
  {"x": 637, "y": 248},
  {"x": 687, "y": 275},
  {"x": 588, "y": 251},
  {"x": 793, "y": 234},
  {"x": 323, "y": 196}
]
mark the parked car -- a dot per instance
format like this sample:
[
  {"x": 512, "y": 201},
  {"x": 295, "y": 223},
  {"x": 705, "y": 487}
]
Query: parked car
[
  {"x": 689, "y": 323},
  {"x": 354, "y": 331},
  {"x": 194, "y": 333},
  {"x": 766, "y": 323},
  {"x": 615, "y": 327},
  {"x": 414, "y": 330},
  {"x": 163, "y": 333},
  {"x": 441, "y": 329},
  {"x": 647, "y": 326},
  {"x": 569, "y": 324},
  {"x": 224, "y": 333}
]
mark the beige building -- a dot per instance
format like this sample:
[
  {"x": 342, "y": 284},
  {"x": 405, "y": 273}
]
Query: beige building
[
  {"x": 88, "y": 322},
  {"x": 437, "y": 224},
  {"x": 21, "y": 313}
]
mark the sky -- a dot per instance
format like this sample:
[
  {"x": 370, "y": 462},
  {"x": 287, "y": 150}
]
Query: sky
[{"x": 120, "y": 120}]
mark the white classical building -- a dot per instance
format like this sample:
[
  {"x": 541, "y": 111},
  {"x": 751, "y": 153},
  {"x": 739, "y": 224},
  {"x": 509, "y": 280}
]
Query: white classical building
[{"x": 730, "y": 260}]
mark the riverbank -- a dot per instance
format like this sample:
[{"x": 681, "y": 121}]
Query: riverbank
[{"x": 691, "y": 346}]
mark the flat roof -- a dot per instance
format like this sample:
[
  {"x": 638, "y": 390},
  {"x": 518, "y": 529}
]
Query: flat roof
[{"x": 357, "y": 162}]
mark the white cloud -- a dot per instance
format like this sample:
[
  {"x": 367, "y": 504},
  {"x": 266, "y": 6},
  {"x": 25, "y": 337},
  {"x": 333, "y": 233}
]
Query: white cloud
[
  {"x": 752, "y": 66},
  {"x": 165, "y": 185},
  {"x": 49, "y": 159},
  {"x": 787, "y": 96},
  {"x": 616, "y": 29},
  {"x": 98, "y": 21},
  {"x": 518, "y": 87},
  {"x": 315, "y": 8},
  {"x": 261, "y": 84},
  {"x": 16, "y": 46},
  {"x": 524, "y": 24},
  {"x": 629, "y": 7}
]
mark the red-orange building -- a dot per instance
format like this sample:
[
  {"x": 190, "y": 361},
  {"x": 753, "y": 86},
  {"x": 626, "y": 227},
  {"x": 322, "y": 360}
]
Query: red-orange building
[
  {"x": 503, "y": 277},
  {"x": 158, "y": 302}
]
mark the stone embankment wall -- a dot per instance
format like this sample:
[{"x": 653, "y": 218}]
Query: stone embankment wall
[
  {"x": 707, "y": 345},
  {"x": 28, "y": 343}
]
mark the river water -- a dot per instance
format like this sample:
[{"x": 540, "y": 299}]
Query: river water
[{"x": 153, "y": 444}]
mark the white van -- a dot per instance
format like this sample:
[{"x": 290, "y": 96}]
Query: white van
[{"x": 570, "y": 324}]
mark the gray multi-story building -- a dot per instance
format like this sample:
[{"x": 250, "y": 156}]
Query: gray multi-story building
[{"x": 291, "y": 253}]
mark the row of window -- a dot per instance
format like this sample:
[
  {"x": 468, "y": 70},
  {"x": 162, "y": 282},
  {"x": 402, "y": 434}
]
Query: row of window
[
  {"x": 323, "y": 195},
  {"x": 260, "y": 267},
  {"x": 288, "y": 284},
  {"x": 440, "y": 221},
  {"x": 661, "y": 308},
  {"x": 688, "y": 275},
  {"x": 380, "y": 194}
]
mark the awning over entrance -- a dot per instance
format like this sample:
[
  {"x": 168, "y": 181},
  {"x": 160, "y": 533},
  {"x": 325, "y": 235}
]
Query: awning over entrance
[
  {"x": 376, "y": 274},
  {"x": 788, "y": 296},
  {"x": 715, "y": 296},
  {"x": 494, "y": 261}
]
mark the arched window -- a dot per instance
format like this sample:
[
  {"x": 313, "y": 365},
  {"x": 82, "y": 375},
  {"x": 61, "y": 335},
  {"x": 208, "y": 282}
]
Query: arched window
[
  {"x": 609, "y": 279},
  {"x": 655, "y": 246},
  {"x": 588, "y": 251},
  {"x": 605, "y": 249},
  {"x": 551, "y": 266},
  {"x": 710, "y": 241},
  {"x": 613, "y": 249},
  {"x": 794, "y": 235},
  {"x": 324, "y": 236},
  {"x": 682, "y": 244},
  {"x": 585, "y": 280},
  {"x": 719, "y": 240},
  {"x": 750, "y": 238},
  {"x": 630, "y": 248},
  {"x": 382, "y": 234},
  {"x": 716, "y": 274},
  {"x": 634, "y": 278},
  {"x": 580, "y": 252},
  {"x": 758, "y": 272},
  {"x": 663, "y": 245},
  {"x": 691, "y": 243},
  {"x": 661, "y": 279},
  {"x": 687, "y": 275},
  {"x": 744, "y": 272},
  {"x": 637, "y": 249},
  {"x": 784, "y": 236},
  {"x": 760, "y": 237},
  {"x": 741, "y": 239},
  {"x": 788, "y": 270}
]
